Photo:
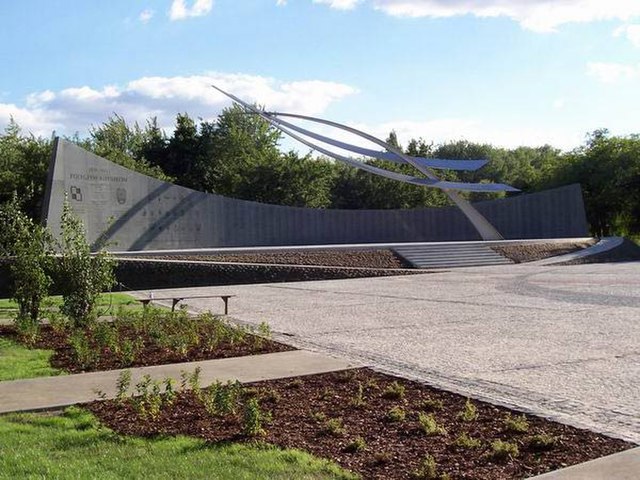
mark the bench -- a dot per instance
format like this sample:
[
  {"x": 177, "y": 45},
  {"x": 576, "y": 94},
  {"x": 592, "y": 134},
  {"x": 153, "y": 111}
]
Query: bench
[{"x": 176, "y": 300}]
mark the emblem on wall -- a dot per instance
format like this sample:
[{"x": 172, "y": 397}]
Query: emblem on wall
[
  {"x": 121, "y": 195},
  {"x": 75, "y": 193}
]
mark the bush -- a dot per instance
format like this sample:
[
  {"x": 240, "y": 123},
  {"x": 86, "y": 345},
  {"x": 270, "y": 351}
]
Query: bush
[
  {"x": 83, "y": 276},
  {"x": 502, "y": 451},
  {"x": 517, "y": 424}
]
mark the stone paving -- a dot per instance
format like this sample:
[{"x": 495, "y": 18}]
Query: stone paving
[{"x": 557, "y": 341}]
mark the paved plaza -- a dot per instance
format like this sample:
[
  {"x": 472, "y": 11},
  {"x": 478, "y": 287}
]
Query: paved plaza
[{"x": 558, "y": 341}]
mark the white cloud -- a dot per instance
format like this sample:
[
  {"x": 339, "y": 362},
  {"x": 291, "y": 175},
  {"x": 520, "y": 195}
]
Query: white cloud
[
  {"x": 76, "y": 109},
  {"x": 146, "y": 15},
  {"x": 281, "y": 3},
  {"x": 537, "y": 15},
  {"x": 339, "y": 4},
  {"x": 613, "y": 72},
  {"x": 179, "y": 9},
  {"x": 632, "y": 32}
]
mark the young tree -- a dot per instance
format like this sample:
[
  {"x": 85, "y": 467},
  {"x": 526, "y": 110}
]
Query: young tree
[
  {"x": 83, "y": 275},
  {"x": 29, "y": 245}
]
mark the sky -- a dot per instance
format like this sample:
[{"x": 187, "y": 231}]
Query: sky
[{"x": 506, "y": 72}]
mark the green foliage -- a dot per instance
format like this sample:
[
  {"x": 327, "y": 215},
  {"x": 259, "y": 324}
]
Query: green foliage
[
  {"x": 358, "y": 444},
  {"x": 122, "y": 385},
  {"x": 24, "y": 161},
  {"x": 429, "y": 425},
  {"x": 517, "y": 424},
  {"x": 358, "y": 400},
  {"x": 83, "y": 276},
  {"x": 74, "y": 445},
  {"x": 502, "y": 451},
  {"x": 30, "y": 245},
  {"x": 82, "y": 350},
  {"x": 18, "y": 362},
  {"x": 394, "y": 391},
  {"x": 396, "y": 414},
  {"x": 431, "y": 405},
  {"x": 428, "y": 470},
  {"x": 542, "y": 442},
  {"x": 253, "y": 419},
  {"x": 469, "y": 413},
  {"x": 334, "y": 427},
  {"x": 465, "y": 441}
]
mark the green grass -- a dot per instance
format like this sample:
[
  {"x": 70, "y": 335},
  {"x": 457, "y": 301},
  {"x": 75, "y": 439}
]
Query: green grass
[
  {"x": 73, "y": 445},
  {"x": 108, "y": 304},
  {"x": 17, "y": 361}
]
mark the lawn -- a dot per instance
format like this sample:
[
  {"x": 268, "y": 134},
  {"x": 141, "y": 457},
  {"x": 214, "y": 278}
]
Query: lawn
[
  {"x": 18, "y": 361},
  {"x": 108, "y": 304},
  {"x": 74, "y": 445}
]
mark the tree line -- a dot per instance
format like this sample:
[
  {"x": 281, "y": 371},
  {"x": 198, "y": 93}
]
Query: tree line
[{"x": 238, "y": 155}]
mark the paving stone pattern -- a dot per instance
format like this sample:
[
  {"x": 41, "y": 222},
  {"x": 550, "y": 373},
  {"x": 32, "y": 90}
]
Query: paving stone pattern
[{"x": 562, "y": 342}]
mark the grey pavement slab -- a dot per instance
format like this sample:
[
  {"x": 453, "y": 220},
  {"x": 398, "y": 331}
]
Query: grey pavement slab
[
  {"x": 55, "y": 392},
  {"x": 558, "y": 341},
  {"x": 620, "y": 466}
]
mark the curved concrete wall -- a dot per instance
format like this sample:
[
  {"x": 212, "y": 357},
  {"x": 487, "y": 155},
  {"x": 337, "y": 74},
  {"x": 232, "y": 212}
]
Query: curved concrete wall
[{"x": 125, "y": 210}]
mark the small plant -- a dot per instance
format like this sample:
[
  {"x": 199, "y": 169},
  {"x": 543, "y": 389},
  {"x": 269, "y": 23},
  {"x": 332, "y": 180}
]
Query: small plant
[
  {"x": 84, "y": 353},
  {"x": 27, "y": 330},
  {"x": 270, "y": 395},
  {"x": 169, "y": 391},
  {"x": 297, "y": 383},
  {"x": 327, "y": 394},
  {"x": 334, "y": 427},
  {"x": 347, "y": 376},
  {"x": 122, "y": 385},
  {"x": 469, "y": 413},
  {"x": 465, "y": 441},
  {"x": 358, "y": 400},
  {"x": 431, "y": 405},
  {"x": 502, "y": 451},
  {"x": 318, "y": 416},
  {"x": 380, "y": 458},
  {"x": 191, "y": 380},
  {"x": 542, "y": 442},
  {"x": 394, "y": 391},
  {"x": 517, "y": 424},
  {"x": 356, "y": 445},
  {"x": 253, "y": 418},
  {"x": 429, "y": 425},
  {"x": 83, "y": 275},
  {"x": 396, "y": 414},
  {"x": 428, "y": 469}
]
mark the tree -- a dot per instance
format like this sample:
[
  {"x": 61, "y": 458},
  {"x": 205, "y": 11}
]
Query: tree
[
  {"x": 83, "y": 275},
  {"x": 30, "y": 246},
  {"x": 24, "y": 161}
]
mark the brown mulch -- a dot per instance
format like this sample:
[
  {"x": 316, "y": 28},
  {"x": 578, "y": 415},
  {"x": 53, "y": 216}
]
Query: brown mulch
[
  {"x": 539, "y": 251},
  {"x": 333, "y": 258},
  {"x": 394, "y": 450},
  {"x": 150, "y": 354}
]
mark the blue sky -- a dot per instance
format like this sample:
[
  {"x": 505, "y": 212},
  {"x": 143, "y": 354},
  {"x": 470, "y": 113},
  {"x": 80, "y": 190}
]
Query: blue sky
[{"x": 517, "y": 72}]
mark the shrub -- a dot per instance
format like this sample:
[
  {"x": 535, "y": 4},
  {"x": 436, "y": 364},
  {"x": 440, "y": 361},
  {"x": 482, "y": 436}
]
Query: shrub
[
  {"x": 122, "y": 385},
  {"x": 394, "y": 391},
  {"x": 431, "y": 405},
  {"x": 542, "y": 442},
  {"x": 502, "y": 451},
  {"x": 517, "y": 424},
  {"x": 396, "y": 414},
  {"x": 469, "y": 413},
  {"x": 83, "y": 352},
  {"x": 253, "y": 417},
  {"x": 465, "y": 441},
  {"x": 429, "y": 425},
  {"x": 334, "y": 427},
  {"x": 428, "y": 470},
  {"x": 83, "y": 276},
  {"x": 30, "y": 244},
  {"x": 358, "y": 400},
  {"x": 356, "y": 445},
  {"x": 27, "y": 330}
]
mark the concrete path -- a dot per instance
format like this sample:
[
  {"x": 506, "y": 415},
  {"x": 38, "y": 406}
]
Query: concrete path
[
  {"x": 562, "y": 342},
  {"x": 621, "y": 466},
  {"x": 56, "y": 392}
]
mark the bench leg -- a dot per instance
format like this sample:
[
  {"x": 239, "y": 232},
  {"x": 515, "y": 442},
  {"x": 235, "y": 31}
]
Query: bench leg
[
  {"x": 175, "y": 302},
  {"x": 226, "y": 305}
]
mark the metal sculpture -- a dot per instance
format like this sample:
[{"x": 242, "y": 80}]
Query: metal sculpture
[{"x": 423, "y": 165}]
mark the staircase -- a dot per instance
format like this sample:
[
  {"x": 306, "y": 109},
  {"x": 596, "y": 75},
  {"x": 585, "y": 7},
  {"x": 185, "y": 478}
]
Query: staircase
[{"x": 448, "y": 255}]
